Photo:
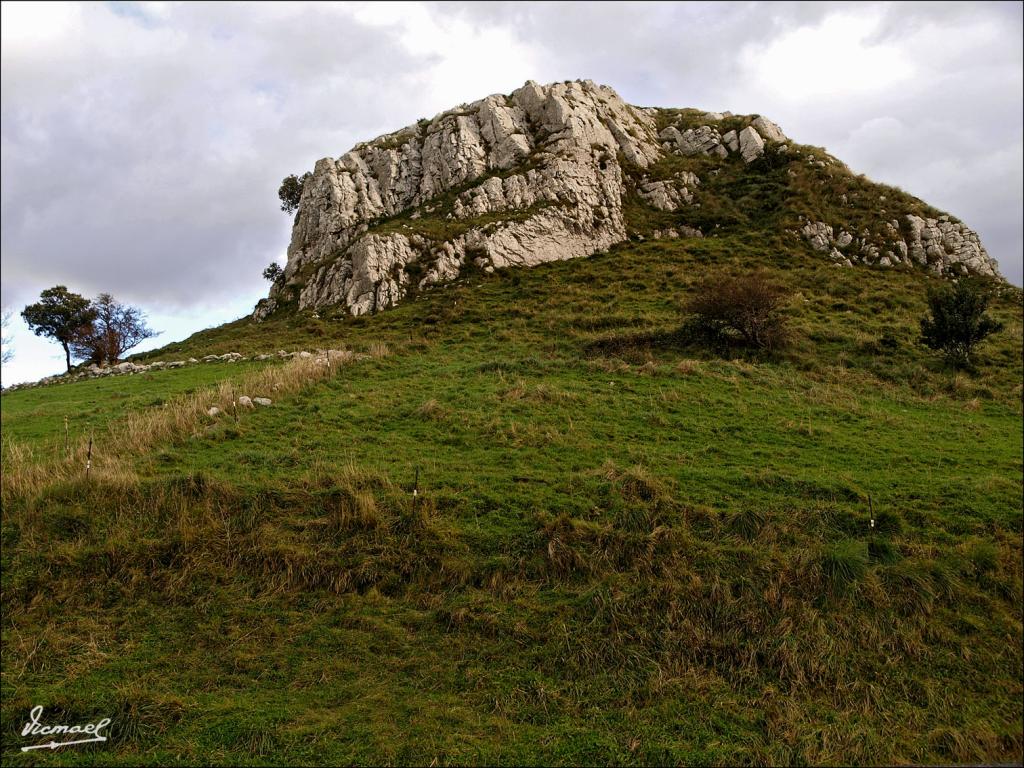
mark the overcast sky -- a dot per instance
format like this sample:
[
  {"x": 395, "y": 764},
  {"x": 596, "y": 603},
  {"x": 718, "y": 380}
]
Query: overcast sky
[{"x": 143, "y": 144}]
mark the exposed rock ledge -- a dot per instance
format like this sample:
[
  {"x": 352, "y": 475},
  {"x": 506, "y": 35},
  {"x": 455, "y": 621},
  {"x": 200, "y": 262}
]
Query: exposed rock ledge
[
  {"x": 942, "y": 246},
  {"x": 542, "y": 175},
  {"x": 543, "y": 170}
]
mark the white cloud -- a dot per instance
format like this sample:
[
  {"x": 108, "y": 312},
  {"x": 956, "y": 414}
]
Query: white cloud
[
  {"x": 26, "y": 27},
  {"x": 827, "y": 60}
]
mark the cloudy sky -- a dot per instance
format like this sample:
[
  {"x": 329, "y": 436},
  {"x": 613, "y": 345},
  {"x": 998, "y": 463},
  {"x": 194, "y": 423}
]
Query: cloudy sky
[{"x": 143, "y": 143}]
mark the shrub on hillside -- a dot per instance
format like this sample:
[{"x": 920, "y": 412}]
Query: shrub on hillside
[
  {"x": 273, "y": 273},
  {"x": 744, "y": 310},
  {"x": 290, "y": 192},
  {"x": 957, "y": 322}
]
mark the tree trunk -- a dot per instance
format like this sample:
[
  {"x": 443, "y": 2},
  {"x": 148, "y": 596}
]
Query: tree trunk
[{"x": 67, "y": 354}]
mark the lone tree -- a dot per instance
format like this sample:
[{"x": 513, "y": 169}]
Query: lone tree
[
  {"x": 114, "y": 330},
  {"x": 60, "y": 315},
  {"x": 957, "y": 321},
  {"x": 744, "y": 310},
  {"x": 291, "y": 191},
  {"x": 273, "y": 273}
]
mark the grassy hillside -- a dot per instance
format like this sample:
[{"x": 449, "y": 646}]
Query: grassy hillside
[
  {"x": 36, "y": 416},
  {"x": 623, "y": 548}
]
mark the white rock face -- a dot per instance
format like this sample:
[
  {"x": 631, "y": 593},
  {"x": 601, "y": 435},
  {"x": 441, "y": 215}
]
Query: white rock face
[
  {"x": 536, "y": 176},
  {"x": 732, "y": 141},
  {"x": 942, "y": 246},
  {"x": 751, "y": 144},
  {"x": 768, "y": 130},
  {"x": 704, "y": 140},
  {"x": 564, "y": 201},
  {"x": 669, "y": 195}
]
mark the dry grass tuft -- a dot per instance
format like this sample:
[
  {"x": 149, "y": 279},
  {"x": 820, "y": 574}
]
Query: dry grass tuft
[
  {"x": 688, "y": 367},
  {"x": 432, "y": 410},
  {"x": 26, "y": 473}
]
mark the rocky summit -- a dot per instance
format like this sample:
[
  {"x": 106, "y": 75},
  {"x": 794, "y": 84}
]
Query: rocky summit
[{"x": 565, "y": 170}]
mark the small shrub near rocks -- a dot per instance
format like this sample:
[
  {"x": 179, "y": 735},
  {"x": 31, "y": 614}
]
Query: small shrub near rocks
[
  {"x": 742, "y": 311},
  {"x": 957, "y": 320}
]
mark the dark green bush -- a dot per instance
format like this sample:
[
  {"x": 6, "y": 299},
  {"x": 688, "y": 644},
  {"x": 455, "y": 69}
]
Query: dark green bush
[{"x": 957, "y": 322}]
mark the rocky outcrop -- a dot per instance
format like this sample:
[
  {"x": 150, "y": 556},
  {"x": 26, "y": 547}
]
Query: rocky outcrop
[
  {"x": 704, "y": 140},
  {"x": 751, "y": 144},
  {"x": 669, "y": 194},
  {"x": 749, "y": 141},
  {"x": 768, "y": 130},
  {"x": 942, "y": 245},
  {"x": 517, "y": 180},
  {"x": 544, "y": 174}
]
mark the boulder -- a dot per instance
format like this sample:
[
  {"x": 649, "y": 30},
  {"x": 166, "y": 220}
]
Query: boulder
[
  {"x": 262, "y": 400},
  {"x": 818, "y": 234},
  {"x": 751, "y": 144},
  {"x": 668, "y": 195},
  {"x": 768, "y": 130},
  {"x": 704, "y": 140},
  {"x": 942, "y": 245}
]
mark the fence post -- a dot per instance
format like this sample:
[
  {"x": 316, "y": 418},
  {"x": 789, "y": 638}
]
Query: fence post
[{"x": 88, "y": 459}]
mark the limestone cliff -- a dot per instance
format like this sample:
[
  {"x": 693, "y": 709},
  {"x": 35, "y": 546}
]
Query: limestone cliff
[{"x": 563, "y": 171}]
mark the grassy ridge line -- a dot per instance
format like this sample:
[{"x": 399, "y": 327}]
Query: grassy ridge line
[
  {"x": 26, "y": 472},
  {"x": 862, "y": 320}
]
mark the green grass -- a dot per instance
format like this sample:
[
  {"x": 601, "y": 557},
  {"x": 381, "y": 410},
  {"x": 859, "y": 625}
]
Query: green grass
[
  {"x": 36, "y": 416},
  {"x": 624, "y": 549}
]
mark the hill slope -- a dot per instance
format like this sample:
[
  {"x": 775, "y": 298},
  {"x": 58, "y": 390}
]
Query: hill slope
[{"x": 623, "y": 549}]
